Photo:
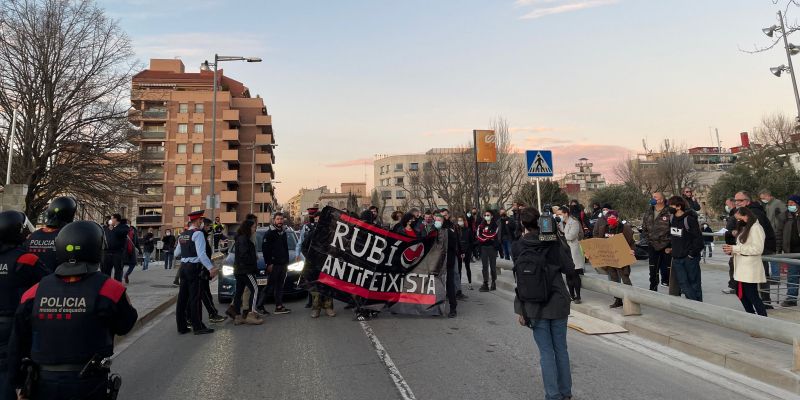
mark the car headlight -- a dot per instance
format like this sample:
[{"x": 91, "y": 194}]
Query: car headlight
[
  {"x": 227, "y": 270},
  {"x": 297, "y": 267}
]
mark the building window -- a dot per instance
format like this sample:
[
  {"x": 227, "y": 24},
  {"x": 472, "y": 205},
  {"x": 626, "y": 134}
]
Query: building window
[
  {"x": 180, "y": 169},
  {"x": 183, "y": 128},
  {"x": 180, "y": 211},
  {"x": 180, "y": 190},
  {"x": 195, "y": 208},
  {"x": 153, "y": 149},
  {"x": 197, "y": 169},
  {"x": 195, "y": 190},
  {"x": 182, "y": 148},
  {"x": 198, "y": 128},
  {"x": 153, "y": 190},
  {"x": 398, "y": 181},
  {"x": 197, "y": 148},
  {"x": 413, "y": 166},
  {"x": 199, "y": 108},
  {"x": 183, "y": 108},
  {"x": 398, "y": 167},
  {"x": 386, "y": 194},
  {"x": 401, "y": 194}
]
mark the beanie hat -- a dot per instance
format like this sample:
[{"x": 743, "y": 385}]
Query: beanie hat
[
  {"x": 608, "y": 206},
  {"x": 795, "y": 198}
]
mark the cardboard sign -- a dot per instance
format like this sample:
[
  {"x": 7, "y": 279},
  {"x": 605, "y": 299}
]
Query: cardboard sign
[{"x": 612, "y": 252}]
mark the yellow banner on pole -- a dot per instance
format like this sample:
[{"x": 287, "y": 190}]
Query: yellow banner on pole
[{"x": 486, "y": 143}]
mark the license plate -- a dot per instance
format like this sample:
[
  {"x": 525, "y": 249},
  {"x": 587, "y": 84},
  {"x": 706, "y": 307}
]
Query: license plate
[{"x": 261, "y": 281}]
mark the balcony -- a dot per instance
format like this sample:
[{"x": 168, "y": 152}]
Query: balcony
[
  {"x": 263, "y": 120},
  {"x": 230, "y": 135},
  {"x": 263, "y": 159},
  {"x": 152, "y": 155},
  {"x": 230, "y": 176},
  {"x": 229, "y": 196},
  {"x": 154, "y": 114},
  {"x": 262, "y": 178},
  {"x": 230, "y": 156},
  {"x": 228, "y": 218},
  {"x": 152, "y": 176},
  {"x": 151, "y": 198},
  {"x": 148, "y": 220},
  {"x": 263, "y": 139},
  {"x": 263, "y": 198},
  {"x": 159, "y": 135},
  {"x": 231, "y": 116}
]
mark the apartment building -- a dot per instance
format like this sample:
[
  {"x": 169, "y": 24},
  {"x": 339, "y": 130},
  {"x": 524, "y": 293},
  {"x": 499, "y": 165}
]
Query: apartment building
[{"x": 171, "y": 110}]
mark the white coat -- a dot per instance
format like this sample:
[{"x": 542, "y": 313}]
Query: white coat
[
  {"x": 747, "y": 264},
  {"x": 572, "y": 231}
]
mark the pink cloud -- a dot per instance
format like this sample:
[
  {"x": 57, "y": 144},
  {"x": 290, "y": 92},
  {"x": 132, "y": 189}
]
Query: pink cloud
[
  {"x": 604, "y": 158},
  {"x": 351, "y": 163}
]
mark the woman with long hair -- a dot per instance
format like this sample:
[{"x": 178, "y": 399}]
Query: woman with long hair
[
  {"x": 573, "y": 232},
  {"x": 465, "y": 240},
  {"x": 245, "y": 267},
  {"x": 748, "y": 269},
  {"x": 407, "y": 224}
]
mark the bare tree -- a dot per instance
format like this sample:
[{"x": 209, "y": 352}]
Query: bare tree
[
  {"x": 633, "y": 173},
  {"x": 66, "y": 67},
  {"x": 506, "y": 175},
  {"x": 675, "y": 167}
]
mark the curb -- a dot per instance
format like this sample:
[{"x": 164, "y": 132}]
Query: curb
[
  {"x": 778, "y": 377},
  {"x": 150, "y": 315}
]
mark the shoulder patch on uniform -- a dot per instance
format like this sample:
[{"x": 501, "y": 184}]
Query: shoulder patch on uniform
[
  {"x": 28, "y": 259},
  {"x": 29, "y": 294},
  {"x": 112, "y": 290}
]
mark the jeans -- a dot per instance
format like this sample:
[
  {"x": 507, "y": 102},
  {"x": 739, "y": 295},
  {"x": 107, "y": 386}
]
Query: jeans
[
  {"x": 748, "y": 295},
  {"x": 277, "y": 278},
  {"x": 146, "y": 260},
  {"x": 659, "y": 265},
  {"x": 792, "y": 281},
  {"x": 169, "y": 259},
  {"x": 489, "y": 260},
  {"x": 506, "y": 249},
  {"x": 130, "y": 269},
  {"x": 550, "y": 336},
  {"x": 687, "y": 273}
]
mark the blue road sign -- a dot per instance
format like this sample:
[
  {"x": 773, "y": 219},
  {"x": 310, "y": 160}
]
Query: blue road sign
[{"x": 539, "y": 163}]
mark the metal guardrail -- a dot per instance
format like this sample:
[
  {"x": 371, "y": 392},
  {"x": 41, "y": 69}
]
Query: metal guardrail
[{"x": 770, "y": 328}]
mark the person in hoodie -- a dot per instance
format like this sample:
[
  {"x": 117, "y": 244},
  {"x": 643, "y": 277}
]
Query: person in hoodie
[
  {"x": 548, "y": 321},
  {"x": 687, "y": 247},
  {"x": 613, "y": 225},
  {"x": 486, "y": 236},
  {"x": 744, "y": 199}
]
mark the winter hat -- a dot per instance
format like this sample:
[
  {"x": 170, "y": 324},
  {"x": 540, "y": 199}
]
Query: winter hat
[
  {"x": 608, "y": 206},
  {"x": 795, "y": 198}
]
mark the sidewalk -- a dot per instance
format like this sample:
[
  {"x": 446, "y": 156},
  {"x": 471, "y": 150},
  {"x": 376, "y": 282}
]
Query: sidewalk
[
  {"x": 758, "y": 358},
  {"x": 151, "y": 291}
]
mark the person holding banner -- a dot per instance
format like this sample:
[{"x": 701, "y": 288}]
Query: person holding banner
[{"x": 607, "y": 227}]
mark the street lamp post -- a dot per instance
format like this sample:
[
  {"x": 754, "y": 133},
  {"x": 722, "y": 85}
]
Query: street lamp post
[
  {"x": 790, "y": 51},
  {"x": 205, "y": 66}
]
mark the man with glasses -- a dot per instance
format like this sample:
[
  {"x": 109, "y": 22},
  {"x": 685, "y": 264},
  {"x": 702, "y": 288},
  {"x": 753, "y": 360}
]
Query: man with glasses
[
  {"x": 688, "y": 195},
  {"x": 743, "y": 199}
]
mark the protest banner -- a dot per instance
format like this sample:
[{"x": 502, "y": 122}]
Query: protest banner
[{"x": 612, "y": 252}]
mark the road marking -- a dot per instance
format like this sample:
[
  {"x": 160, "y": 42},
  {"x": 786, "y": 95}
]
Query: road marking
[
  {"x": 704, "y": 370},
  {"x": 394, "y": 373}
]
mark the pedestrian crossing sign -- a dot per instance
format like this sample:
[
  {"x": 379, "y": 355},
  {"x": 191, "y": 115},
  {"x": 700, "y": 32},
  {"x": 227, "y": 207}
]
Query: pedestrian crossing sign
[{"x": 539, "y": 163}]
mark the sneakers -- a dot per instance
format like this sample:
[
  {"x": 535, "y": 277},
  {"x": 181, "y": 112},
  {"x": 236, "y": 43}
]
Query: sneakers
[
  {"x": 664, "y": 284},
  {"x": 484, "y": 288},
  {"x": 494, "y": 286},
  {"x": 314, "y": 313},
  {"x": 261, "y": 310},
  {"x": 282, "y": 310},
  {"x": 452, "y": 314},
  {"x": 469, "y": 286},
  {"x": 789, "y": 303},
  {"x": 728, "y": 290},
  {"x": 576, "y": 300},
  {"x": 215, "y": 319},
  {"x": 616, "y": 304},
  {"x": 203, "y": 331},
  {"x": 461, "y": 296},
  {"x": 329, "y": 312},
  {"x": 253, "y": 319}
]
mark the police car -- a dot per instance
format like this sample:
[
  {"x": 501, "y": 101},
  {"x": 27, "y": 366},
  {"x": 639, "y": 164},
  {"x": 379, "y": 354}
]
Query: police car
[{"x": 227, "y": 283}]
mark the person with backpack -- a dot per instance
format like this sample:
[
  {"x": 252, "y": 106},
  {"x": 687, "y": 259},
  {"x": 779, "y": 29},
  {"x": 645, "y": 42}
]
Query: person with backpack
[
  {"x": 686, "y": 248},
  {"x": 542, "y": 301},
  {"x": 611, "y": 226},
  {"x": 573, "y": 233}
]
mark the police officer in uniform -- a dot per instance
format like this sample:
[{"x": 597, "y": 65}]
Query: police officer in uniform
[
  {"x": 60, "y": 212},
  {"x": 65, "y": 324},
  {"x": 195, "y": 265},
  {"x": 19, "y": 270},
  {"x": 205, "y": 281}
]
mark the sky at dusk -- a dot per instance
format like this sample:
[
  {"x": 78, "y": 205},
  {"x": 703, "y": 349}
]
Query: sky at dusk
[{"x": 346, "y": 80}]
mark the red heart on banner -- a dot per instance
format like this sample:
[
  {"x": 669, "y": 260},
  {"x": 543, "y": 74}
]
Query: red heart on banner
[{"x": 414, "y": 252}]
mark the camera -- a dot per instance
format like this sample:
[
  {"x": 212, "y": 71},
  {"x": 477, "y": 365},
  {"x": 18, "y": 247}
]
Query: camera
[{"x": 547, "y": 225}]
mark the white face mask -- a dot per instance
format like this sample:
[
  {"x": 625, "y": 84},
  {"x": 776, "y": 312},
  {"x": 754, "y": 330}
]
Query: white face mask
[
  {"x": 111, "y": 222},
  {"x": 460, "y": 223},
  {"x": 488, "y": 218},
  {"x": 605, "y": 212},
  {"x": 727, "y": 209},
  {"x": 437, "y": 224},
  {"x": 469, "y": 215}
]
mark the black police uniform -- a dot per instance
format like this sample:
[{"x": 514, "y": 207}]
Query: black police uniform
[
  {"x": 205, "y": 283},
  {"x": 19, "y": 271},
  {"x": 43, "y": 243},
  {"x": 189, "y": 296}
]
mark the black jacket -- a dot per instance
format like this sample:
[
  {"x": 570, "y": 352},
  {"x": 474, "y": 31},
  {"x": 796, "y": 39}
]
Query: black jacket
[
  {"x": 686, "y": 242},
  {"x": 770, "y": 244},
  {"x": 169, "y": 242},
  {"x": 507, "y": 228},
  {"x": 730, "y": 226},
  {"x": 558, "y": 305},
  {"x": 245, "y": 258},
  {"x": 275, "y": 247},
  {"x": 149, "y": 243},
  {"x": 693, "y": 204},
  {"x": 117, "y": 238}
]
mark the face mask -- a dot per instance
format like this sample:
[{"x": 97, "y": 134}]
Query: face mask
[
  {"x": 437, "y": 224},
  {"x": 613, "y": 221},
  {"x": 765, "y": 201},
  {"x": 460, "y": 223},
  {"x": 111, "y": 222},
  {"x": 673, "y": 210},
  {"x": 653, "y": 202},
  {"x": 605, "y": 212},
  {"x": 510, "y": 213},
  {"x": 792, "y": 208},
  {"x": 488, "y": 218},
  {"x": 728, "y": 209},
  {"x": 169, "y": 233},
  {"x": 469, "y": 215}
]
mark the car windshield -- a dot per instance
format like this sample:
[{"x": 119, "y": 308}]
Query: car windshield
[{"x": 291, "y": 240}]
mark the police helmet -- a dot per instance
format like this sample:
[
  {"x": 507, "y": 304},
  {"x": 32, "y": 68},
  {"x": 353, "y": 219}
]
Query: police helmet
[
  {"x": 80, "y": 242},
  {"x": 60, "y": 212},
  {"x": 14, "y": 227}
]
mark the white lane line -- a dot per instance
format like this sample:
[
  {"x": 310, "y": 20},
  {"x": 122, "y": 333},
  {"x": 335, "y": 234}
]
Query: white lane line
[{"x": 394, "y": 373}]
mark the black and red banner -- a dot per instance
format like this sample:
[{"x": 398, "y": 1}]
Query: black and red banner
[{"x": 357, "y": 261}]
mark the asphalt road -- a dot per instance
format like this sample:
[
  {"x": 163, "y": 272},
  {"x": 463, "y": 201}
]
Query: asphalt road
[{"x": 482, "y": 354}]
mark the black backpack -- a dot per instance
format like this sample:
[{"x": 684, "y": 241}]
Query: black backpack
[{"x": 534, "y": 275}]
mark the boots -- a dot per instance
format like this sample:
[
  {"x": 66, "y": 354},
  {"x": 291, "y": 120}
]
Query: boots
[
  {"x": 484, "y": 287},
  {"x": 253, "y": 319},
  {"x": 315, "y": 313},
  {"x": 494, "y": 286},
  {"x": 329, "y": 312},
  {"x": 238, "y": 320},
  {"x": 231, "y": 312},
  {"x": 616, "y": 304}
]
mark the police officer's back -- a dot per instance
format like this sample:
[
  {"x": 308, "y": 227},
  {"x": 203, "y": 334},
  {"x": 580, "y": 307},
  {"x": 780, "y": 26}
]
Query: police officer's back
[
  {"x": 69, "y": 319},
  {"x": 19, "y": 270},
  {"x": 42, "y": 242}
]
